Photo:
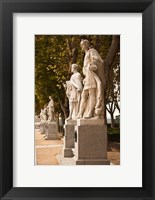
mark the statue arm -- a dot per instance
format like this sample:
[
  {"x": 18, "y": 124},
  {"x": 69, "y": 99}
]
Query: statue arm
[
  {"x": 95, "y": 59},
  {"x": 68, "y": 86},
  {"x": 77, "y": 82},
  {"x": 84, "y": 70}
]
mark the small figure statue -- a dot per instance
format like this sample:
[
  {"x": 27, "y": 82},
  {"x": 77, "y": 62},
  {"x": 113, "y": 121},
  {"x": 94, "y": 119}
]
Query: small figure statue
[
  {"x": 43, "y": 118},
  {"x": 91, "y": 104},
  {"x": 50, "y": 108},
  {"x": 73, "y": 92}
]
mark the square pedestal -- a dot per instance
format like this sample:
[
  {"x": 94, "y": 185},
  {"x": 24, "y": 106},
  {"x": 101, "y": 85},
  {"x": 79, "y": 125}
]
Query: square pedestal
[
  {"x": 43, "y": 128},
  {"x": 91, "y": 143},
  {"x": 52, "y": 131},
  {"x": 69, "y": 138}
]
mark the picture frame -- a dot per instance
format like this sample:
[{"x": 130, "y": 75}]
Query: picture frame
[{"x": 147, "y": 8}]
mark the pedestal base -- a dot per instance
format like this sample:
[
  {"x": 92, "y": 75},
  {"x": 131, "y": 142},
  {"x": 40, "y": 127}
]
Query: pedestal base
[
  {"x": 91, "y": 143},
  {"x": 43, "y": 128},
  {"x": 52, "y": 131},
  {"x": 67, "y": 153},
  {"x": 92, "y": 162},
  {"x": 65, "y": 161},
  {"x": 69, "y": 138},
  {"x": 37, "y": 125}
]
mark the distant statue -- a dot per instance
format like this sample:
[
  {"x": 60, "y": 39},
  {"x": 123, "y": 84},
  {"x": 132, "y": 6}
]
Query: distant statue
[
  {"x": 73, "y": 92},
  {"x": 41, "y": 115},
  {"x": 43, "y": 118},
  {"x": 50, "y": 108},
  {"x": 91, "y": 104}
]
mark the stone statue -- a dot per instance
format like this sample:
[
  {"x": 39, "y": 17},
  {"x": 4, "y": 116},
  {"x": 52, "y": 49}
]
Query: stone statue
[
  {"x": 73, "y": 92},
  {"x": 50, "y": 108},
  {"x": 52, "y": 126},
  {"x": 43, "y": 122},
  {"x": 42, "y": 116},
  {"x": 91, "y": 104}
]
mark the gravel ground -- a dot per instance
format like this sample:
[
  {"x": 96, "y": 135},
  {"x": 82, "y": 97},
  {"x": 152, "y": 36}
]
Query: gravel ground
[{"x": 46, "y": 150}]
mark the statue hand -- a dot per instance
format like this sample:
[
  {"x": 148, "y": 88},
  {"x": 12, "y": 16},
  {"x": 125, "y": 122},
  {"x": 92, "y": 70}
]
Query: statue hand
[{"x": 93, "y": 67}]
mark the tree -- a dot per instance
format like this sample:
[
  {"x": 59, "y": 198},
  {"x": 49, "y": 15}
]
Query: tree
[
  {"x": 108, "y": 63},
  {"x": 54, "y": 55},
  {"x": 113, "y": 88},
  {"x": 50, "y": 70}
]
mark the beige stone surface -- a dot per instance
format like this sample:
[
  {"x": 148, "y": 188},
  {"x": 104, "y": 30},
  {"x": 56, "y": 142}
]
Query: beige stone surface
[
  {"x": 91, "y": 145},
  {"x": 70, "y": 122},
  {"x": 37, "y": 119},
  {"x": 69, "y": 136},
  {"x": 48, "y": 150},
  {"x": 73, "y": 92},
  {"x": 91, "y": 121},
  {"x": 114, "y": 157},
  {"x": 40, "y": 140},
  {"x": 47, "y": 156},
  {"x": 50, "y": 109},
  {"x": 68, "y": 141},
  {"x": 67, "y": 153},
  {"x": 91, "y": 104},
  {"x": 52, "y": 131}
]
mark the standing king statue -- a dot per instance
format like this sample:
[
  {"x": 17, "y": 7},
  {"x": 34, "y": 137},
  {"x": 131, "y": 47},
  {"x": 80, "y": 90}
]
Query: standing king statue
[{"x": 91, "y": 104}]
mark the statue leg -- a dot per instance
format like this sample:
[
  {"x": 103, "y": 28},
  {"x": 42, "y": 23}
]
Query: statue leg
[
  {"x": 84, "y": 97},
  {"x": 53, "y": 116},
  {"x": 70, "y": 110},
  {"x": 92, "y": 102}
]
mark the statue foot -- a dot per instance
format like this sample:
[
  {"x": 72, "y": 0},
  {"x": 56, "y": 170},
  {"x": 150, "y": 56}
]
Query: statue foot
[
  {"x": 88, "y": 116},
  {"x": 69, "y": 118},
  {"x": 96, "y": 117},
  {"x": 78, "y": 117}
]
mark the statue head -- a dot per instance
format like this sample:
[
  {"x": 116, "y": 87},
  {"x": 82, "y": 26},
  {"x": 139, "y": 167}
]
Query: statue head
[
  {"x": 74, "y": 68},
  {"x": 85, "y": 44},
  {"x": 50, "y": 97}
]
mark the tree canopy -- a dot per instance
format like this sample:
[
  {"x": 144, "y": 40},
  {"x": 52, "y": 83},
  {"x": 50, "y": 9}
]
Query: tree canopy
[{"x": 54, "y": 55}]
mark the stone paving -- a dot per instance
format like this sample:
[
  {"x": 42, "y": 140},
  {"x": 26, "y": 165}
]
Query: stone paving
[{"x": 47, "y": 150}]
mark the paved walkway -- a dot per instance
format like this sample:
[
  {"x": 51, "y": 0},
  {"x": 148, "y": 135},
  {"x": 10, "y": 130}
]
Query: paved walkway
[{"x": 47, "y": 150}]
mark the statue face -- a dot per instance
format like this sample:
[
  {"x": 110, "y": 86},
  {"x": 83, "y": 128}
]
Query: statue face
[
  {"x": 72, "y": 69},
  {"x": 84, "y": 46}
]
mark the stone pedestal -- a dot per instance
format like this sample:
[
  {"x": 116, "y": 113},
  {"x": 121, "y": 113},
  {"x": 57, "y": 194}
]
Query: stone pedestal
[
  {"x": 37, "y": 122},
  {"x": 43, "y": 127},
  {"x": 37, "y": 125},
  {"x": 91, "y": 142},
  {"x": 52, "y": 131},
  {"x": 69, "y": 138}
]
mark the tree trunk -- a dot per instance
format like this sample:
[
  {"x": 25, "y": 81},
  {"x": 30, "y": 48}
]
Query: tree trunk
[
  {"x": 74, "y": 55},
  {"x": 73, "y": 52},
  {"x": 117, "y": 106},
  {"x": 64, "y": 109},
  {"x": 108, "y": 63},
  {"x": 111, "y": 56},
  {"x": 112, "y": 120}
]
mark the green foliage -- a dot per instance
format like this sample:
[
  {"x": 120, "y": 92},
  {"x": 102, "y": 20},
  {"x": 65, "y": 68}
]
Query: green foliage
[
  {"x": 113, "y": 88},
  {"x": 54, "y": 55},
  {"x": 113, "y": 130},
  {"x": 114, "y": 134}
]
